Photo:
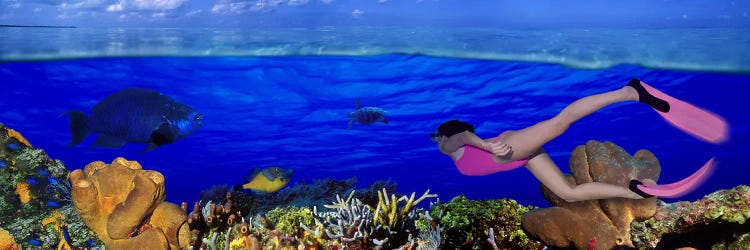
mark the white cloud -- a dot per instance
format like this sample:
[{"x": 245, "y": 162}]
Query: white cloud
[
  {"x": 297, "y": 2},
  {"x": 11, "y": 4},
  {"x": 124, "y": 5},
  {"x": 326, "y": 1},
  {"x": 115, "y": 7},
  {"x": 231, "y": 8},
  {"x": 239, "y": 7},
  {"x": 128, "y": 15},
  {"x": 127, "y": 9},
  {"x": 193, "y": 13},
  {"x": 68, "y": 15},
  {"x": 357, "y": 13},
  {"x": 157, "y": 5},
  {"x": 84, "y": 4}
]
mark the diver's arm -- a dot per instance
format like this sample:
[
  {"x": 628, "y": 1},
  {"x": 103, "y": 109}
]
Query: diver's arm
[{"x": 457, "y": 141}]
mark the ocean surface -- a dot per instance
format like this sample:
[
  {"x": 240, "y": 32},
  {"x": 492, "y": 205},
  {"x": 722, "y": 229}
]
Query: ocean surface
[{"x": 281, "y": 96}]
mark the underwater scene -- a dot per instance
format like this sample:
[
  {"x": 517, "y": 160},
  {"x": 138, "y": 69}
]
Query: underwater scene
[{"x": 338, "y": 124}]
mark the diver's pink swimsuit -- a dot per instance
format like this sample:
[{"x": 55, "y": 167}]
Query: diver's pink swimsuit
[{"x": 476, "y": 161}]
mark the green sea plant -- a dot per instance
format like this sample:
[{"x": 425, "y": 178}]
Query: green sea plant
[
  {"x": 467, "y": 223},
  {"x": 717, "y": 221},
  {"x": 287, "y": 219}
]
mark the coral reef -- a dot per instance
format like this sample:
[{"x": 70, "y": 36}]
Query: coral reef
[
  {"x": 40, "y": 191},
  {"x": 124, "y": 205},
  {"x": 57, "y": 221},
  {"x": 717, "y": 221},
  {"x": 346, "y": 223},
  {"x": 318, "y": 193},
  {"x": 467, "y": 224},
  {"x": 607, "y": 221},
  {"x": 300, "y": 195}
]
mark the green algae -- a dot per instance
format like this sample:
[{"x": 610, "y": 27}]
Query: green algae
[{"x": 467, "y": 223}]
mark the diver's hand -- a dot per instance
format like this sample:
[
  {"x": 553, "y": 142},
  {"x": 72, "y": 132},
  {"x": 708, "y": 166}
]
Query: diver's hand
[{"x": 499, "y": 148}]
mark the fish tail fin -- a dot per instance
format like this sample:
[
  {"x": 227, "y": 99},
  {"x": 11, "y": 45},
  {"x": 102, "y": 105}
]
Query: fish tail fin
[{"x": 79, "y": 126}]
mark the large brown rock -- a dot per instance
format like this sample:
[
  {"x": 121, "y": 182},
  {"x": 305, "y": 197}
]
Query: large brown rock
[{"x": 576, "y": 224}]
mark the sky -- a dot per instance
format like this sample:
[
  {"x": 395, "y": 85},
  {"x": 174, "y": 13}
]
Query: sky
[{"x": 307, "y": 13}]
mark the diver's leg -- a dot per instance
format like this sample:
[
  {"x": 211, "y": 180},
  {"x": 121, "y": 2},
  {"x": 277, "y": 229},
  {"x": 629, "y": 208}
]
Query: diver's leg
[
  {"x": 547, "y": 172},
  {"x": 526, "y": 141}
]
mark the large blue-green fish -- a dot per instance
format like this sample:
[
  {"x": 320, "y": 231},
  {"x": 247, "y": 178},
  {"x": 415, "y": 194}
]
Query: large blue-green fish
[{"x": 135, "y": 115}]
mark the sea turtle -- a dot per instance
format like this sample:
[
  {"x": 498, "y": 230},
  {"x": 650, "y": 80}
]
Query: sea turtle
[{"x": 366, "y": 115}]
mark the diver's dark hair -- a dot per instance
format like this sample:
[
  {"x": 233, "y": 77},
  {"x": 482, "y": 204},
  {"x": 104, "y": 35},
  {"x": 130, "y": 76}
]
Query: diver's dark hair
[{"x": 453, "y": 127}]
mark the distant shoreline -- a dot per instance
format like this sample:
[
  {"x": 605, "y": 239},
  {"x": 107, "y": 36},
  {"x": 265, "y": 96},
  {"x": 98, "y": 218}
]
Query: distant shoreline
[{"x": 36, "y": 26}]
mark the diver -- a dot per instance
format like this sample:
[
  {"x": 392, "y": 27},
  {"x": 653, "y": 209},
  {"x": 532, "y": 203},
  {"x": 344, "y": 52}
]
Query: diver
[{"x": 515, "y": 148}]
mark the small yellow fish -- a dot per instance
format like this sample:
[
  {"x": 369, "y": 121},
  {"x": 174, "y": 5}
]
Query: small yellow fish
[{"x": 268, "y": 180}]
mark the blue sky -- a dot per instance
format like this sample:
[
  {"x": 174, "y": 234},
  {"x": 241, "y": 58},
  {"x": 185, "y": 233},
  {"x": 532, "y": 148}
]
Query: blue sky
[{"x": 303, "y": 13}]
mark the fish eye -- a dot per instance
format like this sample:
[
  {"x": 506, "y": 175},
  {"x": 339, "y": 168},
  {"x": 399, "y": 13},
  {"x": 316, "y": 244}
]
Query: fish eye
[{"x": 198, "y": 117}]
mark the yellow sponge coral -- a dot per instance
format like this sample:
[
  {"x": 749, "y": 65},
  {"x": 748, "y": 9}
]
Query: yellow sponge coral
[
  {"x": 14, "y": 134},
  {"x": 119, "y": 199},
  {"x": 7, "y": 242},
  {"x": 22, "y": 190}
]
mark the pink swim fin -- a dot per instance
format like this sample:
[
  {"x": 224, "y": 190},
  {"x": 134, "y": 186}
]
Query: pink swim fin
[
  {"x": 675, "y": 189},
  {"x": 685, "y": 116}
]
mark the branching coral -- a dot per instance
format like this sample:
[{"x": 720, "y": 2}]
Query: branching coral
[
  {"x": 430, "y": 239},
  {"x": 387, "y": 213},
  {"x": 354, "y": 223},
  {"x": 351, "y": 221}
]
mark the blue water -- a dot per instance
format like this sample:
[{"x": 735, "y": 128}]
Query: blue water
[{"x": 291, "y": 111}]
